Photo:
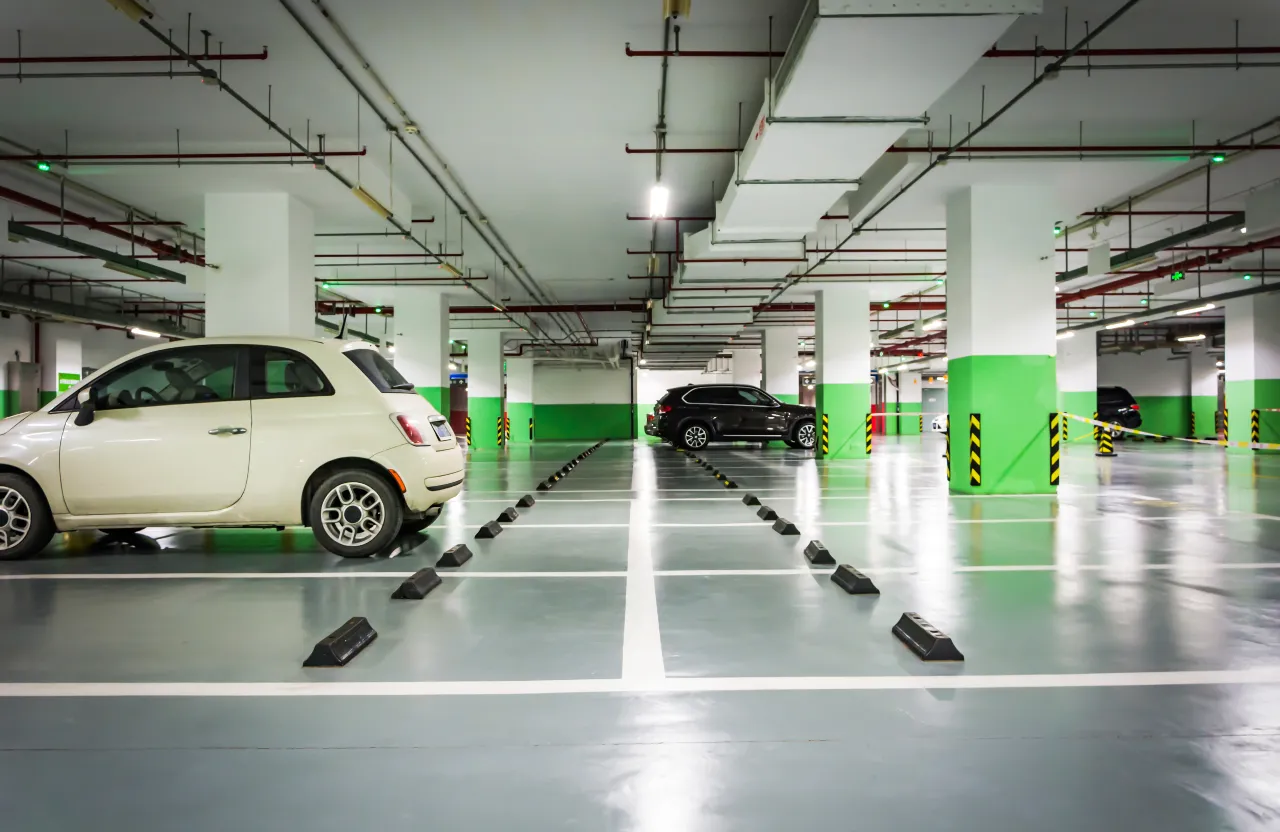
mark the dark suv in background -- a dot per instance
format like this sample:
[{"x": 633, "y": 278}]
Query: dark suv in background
[
  {"x": 1117, "y": 406},
  {"x": 694, "y": 415}
]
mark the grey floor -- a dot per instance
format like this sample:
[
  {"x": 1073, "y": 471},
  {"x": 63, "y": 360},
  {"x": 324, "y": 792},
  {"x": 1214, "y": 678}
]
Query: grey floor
[{"x": 639, "y": 652}]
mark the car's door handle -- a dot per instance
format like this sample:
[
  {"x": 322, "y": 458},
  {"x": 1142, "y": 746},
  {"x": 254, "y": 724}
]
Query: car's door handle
[{"x": 228, "y": 430}]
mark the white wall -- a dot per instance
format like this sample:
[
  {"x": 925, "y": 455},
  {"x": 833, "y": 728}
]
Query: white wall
[
  {"x": 15, "y": 336},
  {"x": 580, "y": 384},
  {"x": 1078, "y": 363},
  {"x": 1145, "y": 374},
  {"x": 1204, "y": 373},
  {"x": 651, "y": 384},
  {"x": 98, "y": 346}
]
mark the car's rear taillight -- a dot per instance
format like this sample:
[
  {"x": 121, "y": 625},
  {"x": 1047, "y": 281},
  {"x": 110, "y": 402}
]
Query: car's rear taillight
[
  {"x": 666, "y": 408},
  {"x": 410, "y": 429},
  {"x": 1133, "y": 406},
  {"x": 649, "y": 417}
]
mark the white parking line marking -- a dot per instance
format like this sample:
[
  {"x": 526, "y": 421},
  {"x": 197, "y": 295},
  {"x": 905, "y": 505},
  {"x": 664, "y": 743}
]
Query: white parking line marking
[{"x": 668, "y": 685}]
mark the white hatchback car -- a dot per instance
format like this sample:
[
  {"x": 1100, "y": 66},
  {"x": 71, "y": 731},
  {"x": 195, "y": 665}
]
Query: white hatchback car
[{"x": 225, "y": 432}]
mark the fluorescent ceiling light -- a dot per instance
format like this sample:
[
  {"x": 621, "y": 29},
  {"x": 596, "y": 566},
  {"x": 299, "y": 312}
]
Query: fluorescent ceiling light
[
  {"x": 145, "y": 333},
  {"x": 123, "y": 268},
  {"x": 659, "y": 196},
  {"x": 132, "y": 9},
  {"x": 1244, "y": 230},
  {"x": 938, "y": 324},
  {"x": 1196, "y": 309},
  {"x": 1065, "y": 334},
  {"x": 391, "y": 348},
  {"x": 643, "y": 361},
  {"x": 810, "y": 364},
  {"x": 1121, "y": 324},
  {"x": 451, "y": 269},
  {"x": 1186, "y": 338},
  {"x": 374, "y": 205}
]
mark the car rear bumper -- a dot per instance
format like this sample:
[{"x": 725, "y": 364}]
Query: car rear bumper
[{"x": 430, "y": 476}]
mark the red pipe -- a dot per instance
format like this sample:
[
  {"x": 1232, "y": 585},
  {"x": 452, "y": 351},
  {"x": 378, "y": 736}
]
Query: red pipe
[
  {"x": 121, "y": 223},
  {"x": 339, "y": 306},
  {"x": 1204, "y": 51},
  {"x": 698, "y": 53},
  {"x": 743, "y": 260},
  {"x": 367, "y": 254},
  {"x": 73, "y": 257},
  {"x": 177, "y": 157},
  {"x": 80, "y": 219},
  {"x": 132, "y": 59},
  {"x": 1165, "y": 271},
  {"x": 1157, "y": 213},
  {"x": 390, "y": 281},
  {"x": 1096, "y": 148}
]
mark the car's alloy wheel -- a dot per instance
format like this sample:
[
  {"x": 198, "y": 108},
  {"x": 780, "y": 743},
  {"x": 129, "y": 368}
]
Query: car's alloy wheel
[
  {"x": 695, "y": 436},
  {"x": 15, "y": 518},
  {"x": 353, "y": 513},
  {"x": 807, "y": 435}
]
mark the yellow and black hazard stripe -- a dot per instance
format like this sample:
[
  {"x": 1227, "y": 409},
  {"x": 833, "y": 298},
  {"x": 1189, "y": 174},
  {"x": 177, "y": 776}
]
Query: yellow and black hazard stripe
[
  {"x": 1106, "y": 446},
  {"x": 1097, "y": 431},
  {"x": 468, "y": 430},
  {"x": 1255, "y": 427},
  {"x": 500, "y": 443},
  {"x": 1226, "y": 427},
  {"x": 975, "y": 449},
  {"x": 530, "y": 428},
  {"x": 947, "y": 454},
  {"x": 1191, "y": 432},
  {"x": 826, "y": 435},
  {"x": 870, "y": 429},
  {"x": 1055, "y": 446}
]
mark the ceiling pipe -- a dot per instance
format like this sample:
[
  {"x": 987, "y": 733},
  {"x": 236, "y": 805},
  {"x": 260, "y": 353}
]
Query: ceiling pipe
[
  {"x": 1075, "y": 150},
  {"x": 131, "y": 59},
  {"x": 118, "y": 223},
  {"x": 1170, "y": 310},
  {"x": 1165, "y": 271},
  {"x": 383, "y": 255},
  {"x": 1145, "y": 52},
  {"x": 653, "y": 151},
  {"x": 1117, "y": 261},
  {"x": 62, "y": 158},
  {"x": 483, "y": 228},
  {"x": 158, "y": 246},
  {"x": 699, "y": 53}
]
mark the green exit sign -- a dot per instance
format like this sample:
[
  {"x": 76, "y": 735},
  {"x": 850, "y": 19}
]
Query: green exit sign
[{"x": 1178, "y": 276}]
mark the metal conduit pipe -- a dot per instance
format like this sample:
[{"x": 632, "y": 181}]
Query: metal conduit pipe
[
  {"x": 62, "y": 158},
  {"x": 1205, "y": 230},
  {"x": 1181, "y": 150},
  {"x": 1050, "y": 71},
  {"x": 130, "y": 59},
  {"x": 158, "y": 246},
  {"x": 1143, "y": 52},
  {"x": 1169, "y": 310},
  {"x": 315, "y": 157},
  {"x": 521, "y": 274},
  {"x": 1165, "y": 271}
]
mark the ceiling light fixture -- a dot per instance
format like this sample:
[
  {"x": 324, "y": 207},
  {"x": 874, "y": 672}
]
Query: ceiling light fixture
[
  {"x": 132, "y": 9},
  {"x": 1248, "y": 277},
  {"x": 1244, "y": 229},
  {"x": 1196, "y": 309},
  {"x": 44, "y": 166},
  {"x": 451, "y": 269},
  {"x": 659, "y": 197},
  {"x": 1219, "y": 158},
  {"x": 1121, "y": 324},
  {"x": 1184, "y": 339},
  {"x": 938, "y": 324},
  {"x": 1065, "y": 334},
  {"x": 643, "y": 361},
  {"x": 145, "y": 333},
  {"x": 374, "y": 205}
]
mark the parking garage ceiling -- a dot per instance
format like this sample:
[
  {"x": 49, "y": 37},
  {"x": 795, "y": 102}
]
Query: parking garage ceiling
[{"x": 524, "y": 112}]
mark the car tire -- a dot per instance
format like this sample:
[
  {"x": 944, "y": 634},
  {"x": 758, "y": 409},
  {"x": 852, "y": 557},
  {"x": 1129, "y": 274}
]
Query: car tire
[
  {"x": 417, "y": 524},
  {"x": 355, "y": 513},
  {"x": 805, "y": 436},
  {"x": 695, "y": 436},
  {"x": 25, "y": 523}
]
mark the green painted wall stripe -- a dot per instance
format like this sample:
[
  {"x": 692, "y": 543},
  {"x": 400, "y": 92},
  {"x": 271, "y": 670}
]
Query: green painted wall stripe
[
  {"x": 1014, "y": 394},
  {"x": 47, "y": 396},
  {"x": 786, "y": 398},
  {"x": 9, "y": 403},
  {"x": 846, "y": 407},
  {"x": 1244, "y": 396},
  {"x": 582, "y": 421},
  {"x": 1206, "y": 410},
  {"x": 439, "y": 398},
  {"x": 1166, "y": 415},
  {"x": 484, "y": 412}
]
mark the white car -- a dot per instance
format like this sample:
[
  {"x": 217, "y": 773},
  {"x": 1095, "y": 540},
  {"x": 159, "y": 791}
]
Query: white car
[{"x": 258, "y": 432}]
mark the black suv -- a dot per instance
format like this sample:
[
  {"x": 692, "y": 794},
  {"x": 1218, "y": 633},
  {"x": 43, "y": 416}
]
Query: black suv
[
  {"x": 694, "y": 415},
  {"x": 1117, "y": 406}
]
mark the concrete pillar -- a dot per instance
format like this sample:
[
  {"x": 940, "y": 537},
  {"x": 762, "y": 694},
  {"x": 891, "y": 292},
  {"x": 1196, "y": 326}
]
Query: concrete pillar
[
  {"x": 747, "y": 367},
  {"x": 843, "y": 351},
  {"x": 1253, "y": 367},
  {"x": 422, "y": 343},
  {"x": 1001, "y": 320},
  {"x": 484, "y": 385},
  {"x": 62, "y": 359},
  {"x": 910, "y": 397},
  {"x": 1078, "y": 382},
  {"x": 1204, "y": 395},
  {"x": 520, "y": 400},
  {"x": 781, "y": 371},
  {"x": 264, "y": 247}
]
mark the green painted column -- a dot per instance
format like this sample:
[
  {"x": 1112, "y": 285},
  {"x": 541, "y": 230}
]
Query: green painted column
[
  {"x": 1078, "y": 382},
  {"x": 439, "y": 398},
  {"x": 484, "y": 386},
  {"x": 1253, "y": 368},
  {"x": 842, "y": 340},
  {"x": 484, "y": 411},
  {"x": 1001, "y": 321},
  {"x": 911, "y": 423}
]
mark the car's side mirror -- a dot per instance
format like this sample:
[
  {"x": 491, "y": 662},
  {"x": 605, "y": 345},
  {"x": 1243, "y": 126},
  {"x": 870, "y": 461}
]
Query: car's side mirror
[{"x": 85, "y": 400}]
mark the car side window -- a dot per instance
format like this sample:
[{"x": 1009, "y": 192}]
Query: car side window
[
  {"x": 702, "y": 396},
  {"x": 277, "y": 373},
  {"x": 183, "y": 375},
  {"x": 752, "y": 397}
]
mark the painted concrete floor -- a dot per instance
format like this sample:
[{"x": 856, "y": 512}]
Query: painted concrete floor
[{"x": 639, "y": 652}]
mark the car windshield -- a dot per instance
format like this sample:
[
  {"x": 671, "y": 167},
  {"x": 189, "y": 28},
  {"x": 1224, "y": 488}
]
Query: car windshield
[{"x": 379, "y": 370}]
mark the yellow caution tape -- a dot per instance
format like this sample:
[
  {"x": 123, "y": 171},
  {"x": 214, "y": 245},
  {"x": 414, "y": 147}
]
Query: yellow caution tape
[{"x": 1220, "y": 443}]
